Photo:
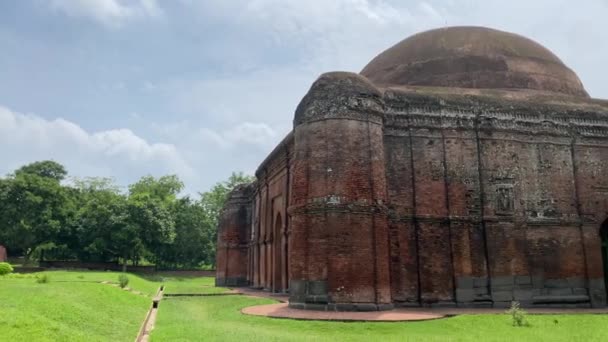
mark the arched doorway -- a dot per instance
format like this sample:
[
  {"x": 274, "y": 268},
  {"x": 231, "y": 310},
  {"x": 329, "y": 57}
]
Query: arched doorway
[{"x": 604, "y": 237}]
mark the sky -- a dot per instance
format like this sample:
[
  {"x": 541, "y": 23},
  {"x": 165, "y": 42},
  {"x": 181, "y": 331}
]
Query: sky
[{"x": 127, "y": 88}]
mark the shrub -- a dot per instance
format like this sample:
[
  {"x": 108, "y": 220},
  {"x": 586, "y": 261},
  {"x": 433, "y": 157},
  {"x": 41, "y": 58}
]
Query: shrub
[
  {"x": 518, "y": 315},
  {"x": 5, "y": 268},
  {"x": 43, "y": 279},
  {"x": 123, "y": 280}
]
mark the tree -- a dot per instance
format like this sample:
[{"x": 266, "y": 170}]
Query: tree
[
  {"x": 150, "y": 204},
  {"x": 191, "y": 244},
  {"x": 102, "y": 224},
  {"x": 164, "y": 189},
  {"x": 126, "y": 235},
  {"x": 35, "y": 209},
  {"x": 154, "y": 223},
  {"x": 45, "y": 169},
  {"x": 91, "y": 219}
]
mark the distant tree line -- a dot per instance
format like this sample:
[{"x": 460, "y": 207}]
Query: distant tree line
[{"x": 45, "y": 216}]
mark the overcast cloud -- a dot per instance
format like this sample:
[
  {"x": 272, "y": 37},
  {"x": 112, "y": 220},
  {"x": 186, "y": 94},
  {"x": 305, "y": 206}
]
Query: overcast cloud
[{"x": 126, "y": 88}]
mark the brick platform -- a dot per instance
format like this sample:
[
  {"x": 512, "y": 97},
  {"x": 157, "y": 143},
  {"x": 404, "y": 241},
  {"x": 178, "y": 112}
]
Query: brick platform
[{"x": 282, "y": 310}]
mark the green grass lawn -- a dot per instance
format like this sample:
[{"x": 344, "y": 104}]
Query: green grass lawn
[
  {"x": 219, "y": 319},
  {"x": 68, "y": 311},
  {"x": 136, "y": 282},
  {"x": 147, "y": 284},
  {"x": 200, "y": 285},
  {"x": 74, "y": 306}
]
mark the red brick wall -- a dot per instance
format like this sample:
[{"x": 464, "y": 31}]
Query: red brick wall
[
  {"x": 339, "y": 242},
  {"x": 411, "y": 198},
  {"x": 270, "y": 222},
  {"x": 233, "y": 238}
]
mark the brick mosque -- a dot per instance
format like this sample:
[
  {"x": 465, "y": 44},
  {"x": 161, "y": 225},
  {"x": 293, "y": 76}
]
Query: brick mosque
[{"x": 464, "y": 166}]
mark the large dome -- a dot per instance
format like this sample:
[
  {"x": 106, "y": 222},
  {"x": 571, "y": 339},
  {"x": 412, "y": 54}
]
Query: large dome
[{"x": 473, "y": 57}]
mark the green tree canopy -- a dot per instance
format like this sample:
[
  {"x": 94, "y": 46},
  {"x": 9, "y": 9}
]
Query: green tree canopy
[
  {"x": 91, "y": 219},
  {"x": 35, "y": 209},
  {"x": 46, "y": 169}
]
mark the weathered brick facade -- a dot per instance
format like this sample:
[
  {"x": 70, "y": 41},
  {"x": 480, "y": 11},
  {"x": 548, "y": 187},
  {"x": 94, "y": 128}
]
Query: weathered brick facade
[{"x": 397, "y": 194}]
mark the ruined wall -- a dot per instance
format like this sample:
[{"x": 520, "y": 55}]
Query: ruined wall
[
  {"x": 270, "y": 226},
  {"x": 480, "y": 187},
  {"x": 399, "y": 197},
  {"x": 590, "y": 154}
]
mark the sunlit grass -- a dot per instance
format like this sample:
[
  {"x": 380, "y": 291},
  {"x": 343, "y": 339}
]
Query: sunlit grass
[
  {"x": 68, "y": 311},
  {"x": 219, "y": 319}
]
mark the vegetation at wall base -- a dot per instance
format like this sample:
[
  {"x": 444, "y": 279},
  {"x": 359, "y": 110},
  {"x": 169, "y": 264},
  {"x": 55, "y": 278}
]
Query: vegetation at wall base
[{"x": 518, "y": 315}]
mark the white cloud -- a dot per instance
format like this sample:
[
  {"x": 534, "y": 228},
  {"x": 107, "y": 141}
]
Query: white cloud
[
  {"x": 275, "y": 49},
  {"x": 267, "y": 95},
  {"x": 119, "y": 152},
  {"x": 246, "y": 133},
  {"x": 110, "y": 13},
  {"x": 346, "y": 34},
  {"x": 223, "y": 89}
]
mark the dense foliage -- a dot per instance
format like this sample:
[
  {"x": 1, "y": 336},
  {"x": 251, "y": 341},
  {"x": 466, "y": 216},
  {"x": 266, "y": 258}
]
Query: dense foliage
[{"x": 45, "y": 217}]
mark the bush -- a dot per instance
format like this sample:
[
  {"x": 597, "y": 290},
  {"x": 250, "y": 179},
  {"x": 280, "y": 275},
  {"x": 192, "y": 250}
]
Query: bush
[
  {"x": 43, "y": 279},
  {"x": 123, "y": 280},
  {"x": 5, "y": 268},
  {"x": 518, "y": 315}
]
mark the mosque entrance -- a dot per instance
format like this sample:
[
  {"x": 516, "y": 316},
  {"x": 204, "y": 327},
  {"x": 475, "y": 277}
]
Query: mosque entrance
[{"x": 604, "y": 237}]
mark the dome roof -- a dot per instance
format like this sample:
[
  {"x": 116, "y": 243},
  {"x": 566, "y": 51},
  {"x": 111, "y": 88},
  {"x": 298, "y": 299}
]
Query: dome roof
[{"x": 473, "y": 57}]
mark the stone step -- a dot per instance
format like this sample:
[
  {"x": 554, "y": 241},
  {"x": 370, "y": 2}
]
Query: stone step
[{"x": 560, "y": 299}]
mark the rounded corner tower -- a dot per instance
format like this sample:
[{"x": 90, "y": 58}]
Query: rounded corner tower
[
  {"x": 233, "y": 238},
  {"x": 339, "y": 241}
]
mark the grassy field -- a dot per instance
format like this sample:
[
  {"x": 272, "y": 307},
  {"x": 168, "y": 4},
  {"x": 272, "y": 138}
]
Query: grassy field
[
  {"x": 147, "y": 286},
  {"x": 74, "y": 306},
  {"x": 68, "y": 311},
  {"x": 219, "y": 319},
  {"x": 202, "y": 285}
]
